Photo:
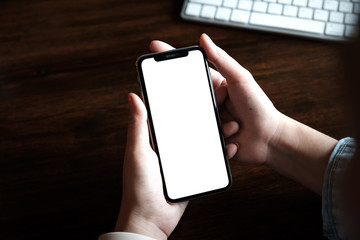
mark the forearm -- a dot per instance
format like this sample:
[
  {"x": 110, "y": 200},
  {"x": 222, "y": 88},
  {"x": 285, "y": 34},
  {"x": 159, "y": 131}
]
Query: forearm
[{"x": 301, "y": 153}]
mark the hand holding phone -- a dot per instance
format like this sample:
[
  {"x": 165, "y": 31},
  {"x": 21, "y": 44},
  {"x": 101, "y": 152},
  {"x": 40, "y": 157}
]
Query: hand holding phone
[
  {"x": 144, "y": 210},
  {"x": 184, "y": 123}
]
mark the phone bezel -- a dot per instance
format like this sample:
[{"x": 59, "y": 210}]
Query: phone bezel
[{"x": 163, "y": 56}]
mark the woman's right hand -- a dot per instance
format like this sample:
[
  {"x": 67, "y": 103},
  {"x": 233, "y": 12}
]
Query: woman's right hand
[
  {"x": 241, "y": 99},
  {"x": 255, "y": 131},
  {"x": 248, "y": 117}
]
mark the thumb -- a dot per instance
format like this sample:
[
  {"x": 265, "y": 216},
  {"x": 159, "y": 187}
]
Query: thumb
[
  {"x": 138, "y": 134},
  {"x": 226, "y": 65}
]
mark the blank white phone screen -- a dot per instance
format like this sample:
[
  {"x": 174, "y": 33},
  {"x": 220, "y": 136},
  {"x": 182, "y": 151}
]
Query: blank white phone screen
[{"x": 185, "y": 125}]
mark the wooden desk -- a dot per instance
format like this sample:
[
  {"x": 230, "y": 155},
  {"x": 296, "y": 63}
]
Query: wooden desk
[{"x": 65, "y": 70}]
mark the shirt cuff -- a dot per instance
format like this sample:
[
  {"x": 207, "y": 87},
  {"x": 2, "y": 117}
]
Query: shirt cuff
[{"x": 343, "y": 153}]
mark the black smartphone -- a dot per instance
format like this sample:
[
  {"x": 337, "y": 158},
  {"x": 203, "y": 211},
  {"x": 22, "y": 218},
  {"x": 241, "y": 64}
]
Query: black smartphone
[{"x": 184, "y": 123}]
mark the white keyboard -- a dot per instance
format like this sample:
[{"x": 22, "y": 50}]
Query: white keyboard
[{"x": 321, "y": 19}]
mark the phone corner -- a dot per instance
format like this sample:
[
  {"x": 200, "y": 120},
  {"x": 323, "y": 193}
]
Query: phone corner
[
  {"x": 229, "y": 184},
  {"x": 171, "y": 200},
  {"x": 139, "y": 60}
]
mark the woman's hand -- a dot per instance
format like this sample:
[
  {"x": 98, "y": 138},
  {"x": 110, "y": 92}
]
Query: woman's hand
[
  {"x": 144, "y": 209},
  {"x": 248, "y": 117},
  {"x": 255, "y": 131},
  {"x": 241, "y": 99}
]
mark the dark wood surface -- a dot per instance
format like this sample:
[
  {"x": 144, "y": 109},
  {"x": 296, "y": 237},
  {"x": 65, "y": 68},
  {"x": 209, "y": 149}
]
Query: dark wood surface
[{"x": 65, "y": 70}]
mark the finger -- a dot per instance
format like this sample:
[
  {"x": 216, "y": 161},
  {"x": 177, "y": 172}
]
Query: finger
[
  {"x": 225, "y": 116},
  {"x": 230, "y": 128},
  {"x": 231, "y": 150},
  {"x": 217, "y": 79},
  {"x": 138, "y": 135},
  {"x": 159, "y": 46},
  {"x": 226, "y": 65},
  {"x": 221, "y": 95}
]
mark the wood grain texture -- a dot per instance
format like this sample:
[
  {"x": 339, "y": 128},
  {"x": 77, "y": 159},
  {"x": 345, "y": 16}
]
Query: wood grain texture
[{"x": 65, "y": 70}]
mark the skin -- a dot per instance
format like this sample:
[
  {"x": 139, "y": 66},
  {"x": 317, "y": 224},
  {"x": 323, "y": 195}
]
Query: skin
[
  {"x": 255, "y": 132},
  {"x": 144, "y": 209}
]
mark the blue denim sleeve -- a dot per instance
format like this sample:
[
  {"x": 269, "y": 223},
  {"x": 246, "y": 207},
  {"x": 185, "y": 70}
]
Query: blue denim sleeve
[{"x": 331, "y": 197}]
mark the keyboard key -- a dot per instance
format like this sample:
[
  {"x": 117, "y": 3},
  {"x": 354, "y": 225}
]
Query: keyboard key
[
  {"x": 346, "y": 7},
  {"x": 223, "y": 14},
  {"x": 287, "y": 2},
  {"x": 300, "y": 3},
  {"x": 321, "y": 15},
  {"x": 334, "y": 29},
  {"x": 351, "y": 18},
  {"x": 208, "y": 11},
  {"x": 357, "y": 8},
  {"x": 290, "y": 11},
  {"x": 260, "y": 7},
  {"x": 275, "y": 8},
  {"x": 230, "y": 3},
  {"x": 304, "y": 25},
  {"x": 336, "y": 17},
  {"x": 193, "y": 9},
  {"x": 305, "y": 12},
  {"x": 351, "y": 31},
  {"x": 331, "y": 5},
  {"x": 315, "y": 3},
  {"x": 210, "y": 2},
  {"x": 245, "y": 5},
  {"x": 240, "y": 16}
]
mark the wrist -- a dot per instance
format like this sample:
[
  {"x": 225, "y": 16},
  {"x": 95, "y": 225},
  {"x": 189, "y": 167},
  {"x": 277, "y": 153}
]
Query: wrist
[
  {"x": 130, "y": 221},
  {"x": 300, "y": 153},
  {"x": 283, "y": 140}
]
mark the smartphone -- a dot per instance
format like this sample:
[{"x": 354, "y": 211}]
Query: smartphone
[{"x": 184, "y": 123}]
